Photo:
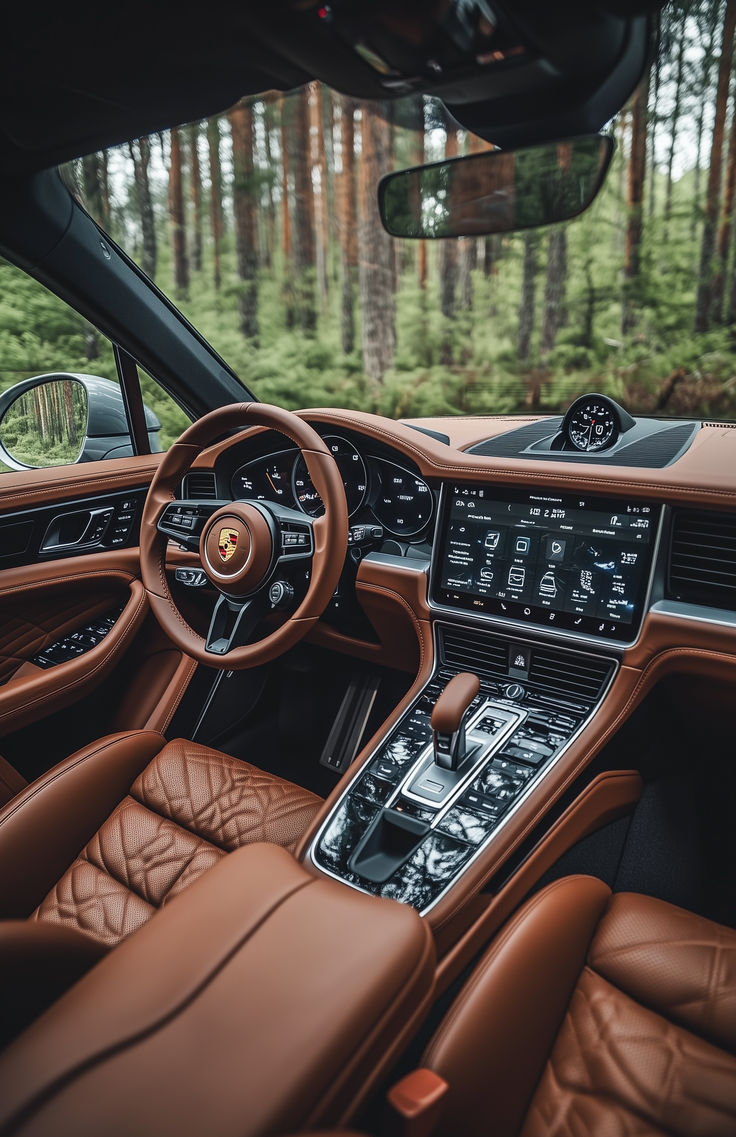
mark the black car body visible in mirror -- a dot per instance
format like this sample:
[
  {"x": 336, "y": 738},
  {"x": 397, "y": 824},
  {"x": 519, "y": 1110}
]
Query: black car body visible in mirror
[
  {"x": 66, "y": 417},
  {"x": 497, "y": 191}
]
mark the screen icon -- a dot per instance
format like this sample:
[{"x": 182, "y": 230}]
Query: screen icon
[
  {"x": 517, "y": 576},
  {"x": 554, "y": 548},
  {"x": 548, "y": 585},
  {"x": 492, "y": 538},
  {"x": 586, "y": 581},
  {"x": 486, "y": 575},
  {"x": 523, "y": 545}
]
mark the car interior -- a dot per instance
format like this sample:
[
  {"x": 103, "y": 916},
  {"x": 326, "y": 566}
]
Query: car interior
[{"x": 357, "y": 774}]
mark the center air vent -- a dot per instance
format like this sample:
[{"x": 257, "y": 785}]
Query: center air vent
[
  {"x": 554, "y": 671},
  {"x": 200, "y": 484},
  {"x": 703, "y": 558},
  {"x": 568, "y": 673},
  {"x": 486, "y": 656}
]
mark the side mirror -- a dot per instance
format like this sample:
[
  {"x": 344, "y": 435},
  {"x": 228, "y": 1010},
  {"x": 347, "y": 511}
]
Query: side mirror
[
  {"x": 63, "y": 418},
  {"x": 496, "y": 191},
  {"x": 44, "y": 424}
]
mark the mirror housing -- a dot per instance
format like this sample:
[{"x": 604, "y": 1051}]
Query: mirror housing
[
  {"x": 62, "y": 418},
  {"x": 496, "y": 191}
]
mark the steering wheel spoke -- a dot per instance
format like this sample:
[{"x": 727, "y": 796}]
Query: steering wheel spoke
[
  {"x": 183, "y": 521},
  {"x": 233, "y": 623},
  {"x": 295, "y": 534}
]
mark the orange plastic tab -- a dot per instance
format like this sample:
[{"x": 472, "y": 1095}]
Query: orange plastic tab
[{"x": 416, "y": 1101}]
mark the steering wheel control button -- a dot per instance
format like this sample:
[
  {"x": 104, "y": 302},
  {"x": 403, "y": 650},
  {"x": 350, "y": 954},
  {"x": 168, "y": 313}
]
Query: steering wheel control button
[
  {"x": 192, "y": 578},
  {"x": 281, "y": 594}
]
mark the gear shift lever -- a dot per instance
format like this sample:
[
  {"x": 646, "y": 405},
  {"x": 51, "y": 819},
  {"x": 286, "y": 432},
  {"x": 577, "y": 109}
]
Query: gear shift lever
[{"x": 448, "y": 720}]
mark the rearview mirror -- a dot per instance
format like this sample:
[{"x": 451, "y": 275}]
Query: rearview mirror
[{"x": 496, "y": 191}]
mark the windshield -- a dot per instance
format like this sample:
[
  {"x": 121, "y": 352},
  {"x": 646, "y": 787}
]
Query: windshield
[{"x": 262, "y": 224}]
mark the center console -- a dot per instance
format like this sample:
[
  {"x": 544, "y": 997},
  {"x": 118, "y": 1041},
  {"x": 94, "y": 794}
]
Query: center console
[
  {"x": 406, "y": 827},
  {"x": 534, "y": 593}
]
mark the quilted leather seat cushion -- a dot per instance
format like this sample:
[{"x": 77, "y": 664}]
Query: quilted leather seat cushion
[
  {"x": 188, "y": 809},
  {"x": 594, "y": 1013}
]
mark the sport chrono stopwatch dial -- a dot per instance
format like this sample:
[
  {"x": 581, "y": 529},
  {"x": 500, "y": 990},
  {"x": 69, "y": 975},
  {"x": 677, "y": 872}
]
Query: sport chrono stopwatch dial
[{"x": 592, "y": 424}]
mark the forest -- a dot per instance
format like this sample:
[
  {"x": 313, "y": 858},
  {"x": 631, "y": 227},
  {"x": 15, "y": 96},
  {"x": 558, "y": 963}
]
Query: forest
[{"x": 262, "y": 225}]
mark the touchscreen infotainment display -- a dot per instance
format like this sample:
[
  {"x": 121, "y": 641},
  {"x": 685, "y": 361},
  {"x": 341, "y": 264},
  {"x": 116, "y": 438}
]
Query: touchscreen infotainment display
[{"x": 557, "y": 559}]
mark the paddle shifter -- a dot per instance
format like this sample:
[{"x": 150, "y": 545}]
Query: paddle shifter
[{"x": 448, "y": 720}]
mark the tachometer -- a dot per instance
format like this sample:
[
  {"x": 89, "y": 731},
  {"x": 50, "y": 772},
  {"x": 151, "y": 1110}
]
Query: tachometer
[
  {"x": 267, "y": 478},
  {"x": 352, "y": 471},
  {"x": 404, "y": 504}
]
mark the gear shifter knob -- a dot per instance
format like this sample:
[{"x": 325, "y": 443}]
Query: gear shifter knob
[{"x": 448, "y": 719}]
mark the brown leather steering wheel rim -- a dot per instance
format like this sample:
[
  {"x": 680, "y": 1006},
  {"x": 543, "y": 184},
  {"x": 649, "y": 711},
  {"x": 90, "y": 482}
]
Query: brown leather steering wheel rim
[{"x": 330, "y": 532}]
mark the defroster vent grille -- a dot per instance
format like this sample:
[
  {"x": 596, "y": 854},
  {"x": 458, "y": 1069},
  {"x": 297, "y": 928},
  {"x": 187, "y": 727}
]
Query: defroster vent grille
[{"x": 703, "y": 558}]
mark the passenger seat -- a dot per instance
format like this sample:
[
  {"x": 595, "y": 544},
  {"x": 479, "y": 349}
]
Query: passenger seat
[{"x": 591, "y": 1013}]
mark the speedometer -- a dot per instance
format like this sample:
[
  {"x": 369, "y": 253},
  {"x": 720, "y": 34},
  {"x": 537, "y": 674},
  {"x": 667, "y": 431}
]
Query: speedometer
[
  {"x": 267, "y": 478},
  {"x": 352, "y": 471},
  {"x": 404, "y": 504}
]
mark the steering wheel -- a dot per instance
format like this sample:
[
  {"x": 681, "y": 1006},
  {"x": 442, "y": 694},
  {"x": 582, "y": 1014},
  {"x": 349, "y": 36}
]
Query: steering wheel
[{"x": 243, "y": 544}]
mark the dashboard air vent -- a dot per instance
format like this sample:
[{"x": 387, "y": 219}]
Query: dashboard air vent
[
  {"x": 465, "y": 650},
  {"x": 200, "y": 484},
  {"x": 703, "y": 558},
  {"x": 569, "y": 673}
]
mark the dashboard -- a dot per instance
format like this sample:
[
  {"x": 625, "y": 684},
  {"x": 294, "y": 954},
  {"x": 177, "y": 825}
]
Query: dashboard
[{"x": 587, "y": 545}]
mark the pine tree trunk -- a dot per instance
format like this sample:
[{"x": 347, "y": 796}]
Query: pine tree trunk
[
  {"x": 304, "y": 311},
  {"x": 554, "y": 290},
  {"x": 635, "y": 204},
  {"x": 176, "y": 217},
  {"x": 528, "y": 292},
  {"x": 213, "y": 147},
  {"x": 675, "y": 117},
  {"x": 652, "y": 123},
  {"x": 702, "y": 101},
  {"x": 245, "y": 214},
  {"x": 195, "y": 190},
  {"x": 375, "y": 253},
  {"x": 269, "y": 244},
  {"x": 345, "y": 210},
  {"x": 140, "y": 152},
  {"x": 466, "y": 250},
  {"x": 704, "y": 296},
  {"x": 726, "y": 227},
  {"x": 448, "y": 249},
  {"x": 417, "y": 158},
  {"x": 318, "y": 163}
]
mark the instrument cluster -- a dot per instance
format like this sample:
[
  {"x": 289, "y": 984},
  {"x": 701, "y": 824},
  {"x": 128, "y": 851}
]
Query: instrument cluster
[{"x": 397, "y": 498}]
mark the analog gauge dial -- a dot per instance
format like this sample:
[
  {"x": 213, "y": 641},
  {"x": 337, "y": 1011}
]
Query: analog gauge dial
[
  {"x": 266, "y": 479},
  {"x": 352, "y": 471},
  {"x": 592, "y": 424},
  {"x": 404, "y": 504}
]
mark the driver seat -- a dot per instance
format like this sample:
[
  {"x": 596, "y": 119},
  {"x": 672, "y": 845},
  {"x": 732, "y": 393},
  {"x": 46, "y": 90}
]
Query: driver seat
[{"x": 90, "y": 850}]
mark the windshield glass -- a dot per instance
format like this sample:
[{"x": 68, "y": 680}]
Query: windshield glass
[{"x": 262, "y": 224}]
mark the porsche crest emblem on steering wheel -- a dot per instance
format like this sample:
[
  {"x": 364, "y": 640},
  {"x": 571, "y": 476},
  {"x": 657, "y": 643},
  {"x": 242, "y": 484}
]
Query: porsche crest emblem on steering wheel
[{"x": 227, "y": 543}]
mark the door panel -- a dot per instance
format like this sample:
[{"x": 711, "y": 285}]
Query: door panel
[{"x": 67, "y": 617}]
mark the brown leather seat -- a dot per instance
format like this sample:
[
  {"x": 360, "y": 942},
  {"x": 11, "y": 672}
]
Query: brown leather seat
[
  {"x": 594, "y": 1013},
  {"x": 118, "y": 829},
  {"x": 96, "y": 845}
]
